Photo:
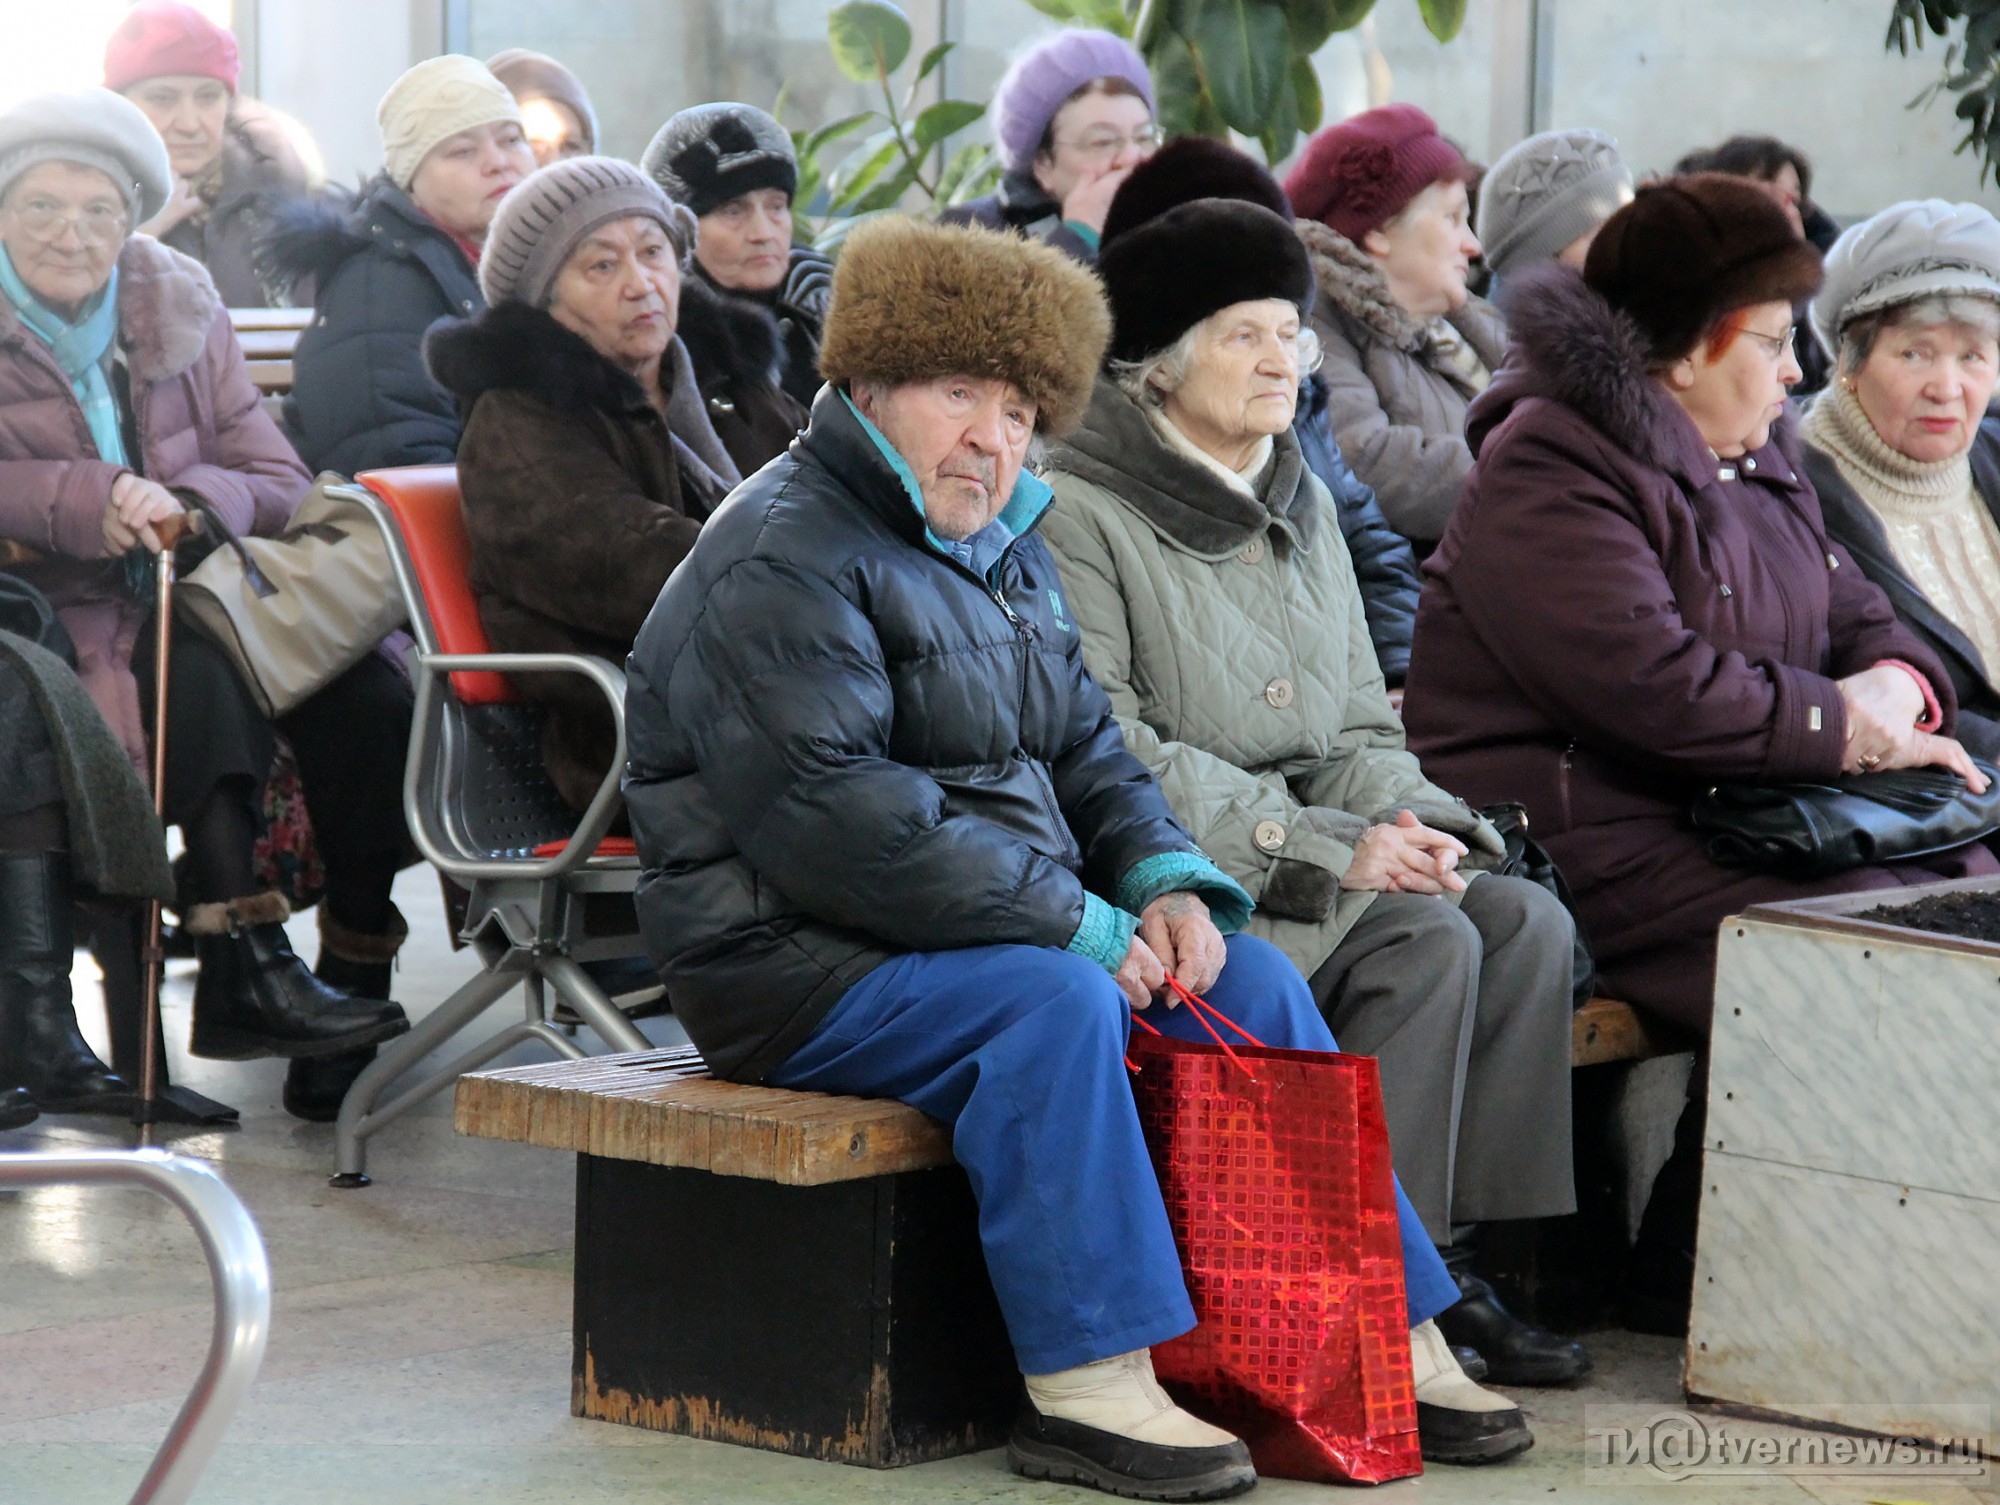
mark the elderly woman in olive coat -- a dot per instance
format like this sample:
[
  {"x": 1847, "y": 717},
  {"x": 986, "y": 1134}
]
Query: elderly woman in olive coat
[{"x": 1204, "y": 567}]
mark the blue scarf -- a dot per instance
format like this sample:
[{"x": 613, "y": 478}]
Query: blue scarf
[{"x": 79, "y": 349}]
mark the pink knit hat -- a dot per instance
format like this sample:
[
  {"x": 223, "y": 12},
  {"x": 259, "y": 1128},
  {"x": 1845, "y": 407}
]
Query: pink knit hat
[{"x": 1355, "y": 176}]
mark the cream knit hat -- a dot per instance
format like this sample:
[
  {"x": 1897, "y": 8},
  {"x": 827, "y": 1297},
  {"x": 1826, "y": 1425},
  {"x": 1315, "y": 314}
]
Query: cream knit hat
[{"x": 438, "y": 98}]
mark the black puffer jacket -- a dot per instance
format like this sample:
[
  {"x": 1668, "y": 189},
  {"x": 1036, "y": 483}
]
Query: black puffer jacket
[
  {"x": 1384, "y": 563},
  {"x": 844, "y": 746},
  {"x": 361, "y": 397}
]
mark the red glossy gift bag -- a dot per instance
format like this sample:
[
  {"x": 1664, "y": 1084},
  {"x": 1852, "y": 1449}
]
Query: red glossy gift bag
[{"x": 1275, "y": 1169}]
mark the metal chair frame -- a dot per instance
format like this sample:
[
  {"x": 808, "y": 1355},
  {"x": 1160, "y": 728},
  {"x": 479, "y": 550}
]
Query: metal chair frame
[
  {"x": 528, "y": 917},
  {"x": 239, "y": 1271}
]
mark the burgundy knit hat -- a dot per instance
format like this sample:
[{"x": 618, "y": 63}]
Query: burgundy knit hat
[
  {"x": 161, "y": 37},
  {"x": 1355, "y": 176},
  {"x": 1688, "y": 250}
]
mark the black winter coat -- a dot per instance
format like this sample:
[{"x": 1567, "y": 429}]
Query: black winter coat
[
  {"x": 845, "y": 746},
  {"x": 1021, "y": 204},
  {"x": 361, "y": 396},
  {"x": 739, "y": 363},
  {"x": 1384, "y": 562},
  {"x": 1853, "y": 525}
]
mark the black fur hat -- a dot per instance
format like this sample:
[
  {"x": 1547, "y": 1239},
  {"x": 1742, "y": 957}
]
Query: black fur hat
[
  {"x": 1165, "y": 276},
  {"x": 1185, "y": 169}
]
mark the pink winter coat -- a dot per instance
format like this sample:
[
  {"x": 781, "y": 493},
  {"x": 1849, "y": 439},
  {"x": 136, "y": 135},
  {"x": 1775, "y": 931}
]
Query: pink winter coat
[{"x": 201, "y": 429}]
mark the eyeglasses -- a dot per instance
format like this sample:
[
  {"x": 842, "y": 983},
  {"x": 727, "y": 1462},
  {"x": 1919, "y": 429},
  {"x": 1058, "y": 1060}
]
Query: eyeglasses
[
  {"x": 1102, "y": 146},
  {"x": 1777, "y": 346},
  {"x": 96, "y": 225}
]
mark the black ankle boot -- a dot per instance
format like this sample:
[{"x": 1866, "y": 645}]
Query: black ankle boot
[
  {"x": 1515, "y": 1352},
  {"x": 17, "y": 1108},
  {"x": 40, "y": 1047},
  {"x": 361, "y": 966},
  {"x": 254, "y": 996},
  {"x": 1659, "y": 1277}
]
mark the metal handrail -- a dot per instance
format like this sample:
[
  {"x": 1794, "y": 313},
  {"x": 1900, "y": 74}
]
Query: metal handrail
[{"x": 238, "y": 1269}]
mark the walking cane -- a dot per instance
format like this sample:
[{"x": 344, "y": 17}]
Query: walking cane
[{"x": 170, "y": 532}]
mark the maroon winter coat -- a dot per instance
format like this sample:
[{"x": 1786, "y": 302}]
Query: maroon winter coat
[
  {"x": 201, "y": 429},
  {"x": 1615, "y": 618}
]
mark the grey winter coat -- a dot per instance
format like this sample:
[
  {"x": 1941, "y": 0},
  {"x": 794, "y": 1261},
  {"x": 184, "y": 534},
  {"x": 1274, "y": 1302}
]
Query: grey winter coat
[
  {"x": 1229, "y": 634},
  {"x": 1396, "y": 406}
]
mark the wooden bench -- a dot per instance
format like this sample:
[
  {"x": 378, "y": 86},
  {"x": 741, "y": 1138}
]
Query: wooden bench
[
  {"x": 268, "y": 337},
  {"x": 785, "y": 1270}
]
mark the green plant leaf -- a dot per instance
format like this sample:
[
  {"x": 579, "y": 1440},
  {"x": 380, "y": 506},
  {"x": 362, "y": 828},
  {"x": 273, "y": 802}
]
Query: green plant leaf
[
  {"x": 945, "y": 118},
  {"x": 1311, "y": 22},
  {"x": 959, "y": 166},
  {"x": 1242, "y": 53},
  {"x": 814, "y": 142},
  {"x": 877, "y": 152},
  {"x": 931, "y": 60},
  {"x": 1306, "y": 91},
  {"x": 1109, "y": 14},
  {"x": 888, "y": 192},
  {"x": 869, "y": 38},
  {"x": 1443, "y": 17},
  {"x": 1177, "y": 86}
]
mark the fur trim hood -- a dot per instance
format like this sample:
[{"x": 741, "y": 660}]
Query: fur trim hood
[
  {"x": 1573, "y": 347},
  {"x": 166, "y": 308},
  {"x": 734, "y": 343},
  {"x": 1352, "y": 284},
  {"x": 512, "y": 347},
  {"x": 913, "y": 301},
  {"x": 315, "y": 235}
]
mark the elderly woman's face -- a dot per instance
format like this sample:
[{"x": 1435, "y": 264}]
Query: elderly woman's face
[
  {"x": 461, "y": 182},
  {"x": 190, "y": 113},
  {"x": 621, "y": 290},
  {"x": 554, "y": 130},
  {"x": 1242, "y": 381},
  {"x": 63, "y": 225},
  {"x": 1734, "y": 397},
  {"x": 746, "y": 243},
  {"x": 1925, "y": 387},
  {"x": 1426, "y": 250},
  {"x": 1093, "y": 135}
]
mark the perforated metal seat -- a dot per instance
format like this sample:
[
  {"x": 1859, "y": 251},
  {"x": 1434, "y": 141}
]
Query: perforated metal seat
[{"x": 547, "y": 890}]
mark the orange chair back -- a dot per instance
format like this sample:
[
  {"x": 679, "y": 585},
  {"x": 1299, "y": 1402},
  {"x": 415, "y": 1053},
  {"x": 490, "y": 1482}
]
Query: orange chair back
[{"x": 428, "y": 509}]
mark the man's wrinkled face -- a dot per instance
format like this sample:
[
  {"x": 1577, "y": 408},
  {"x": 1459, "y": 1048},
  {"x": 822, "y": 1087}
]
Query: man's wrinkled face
[{"x": 964, "y": 438}]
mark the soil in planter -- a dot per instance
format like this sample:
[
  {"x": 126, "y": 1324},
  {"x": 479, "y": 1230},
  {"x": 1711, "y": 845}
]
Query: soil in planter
[{"x": 1975, "y": 916}]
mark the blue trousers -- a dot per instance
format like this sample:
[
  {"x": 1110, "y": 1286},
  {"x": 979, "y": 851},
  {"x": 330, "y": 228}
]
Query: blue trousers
[{"x": 1020, "y": 1049}]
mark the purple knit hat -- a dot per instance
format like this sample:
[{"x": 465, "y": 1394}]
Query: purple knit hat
[{"x": 1039, "y": 80}]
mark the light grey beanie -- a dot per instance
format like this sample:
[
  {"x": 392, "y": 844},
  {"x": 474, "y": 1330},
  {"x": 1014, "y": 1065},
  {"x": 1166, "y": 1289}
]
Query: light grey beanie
[
  {"x": 547, "y": 214},
  {"x": 1546, "y": 191},
  {"x": 96, "y": 128},
  {"x": 709, "y": 154},
  {"x": 1911, "y": 250}
]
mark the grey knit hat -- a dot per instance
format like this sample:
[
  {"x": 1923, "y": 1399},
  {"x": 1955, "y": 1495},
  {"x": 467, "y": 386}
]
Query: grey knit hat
[
  {"x": 1546, "y": 191},
  {"x": 1912, "y": 250},
  {"x": 547, "y": 214},
  {"x": 96, "y": 128},
  {"x": 708, "y": 155}
]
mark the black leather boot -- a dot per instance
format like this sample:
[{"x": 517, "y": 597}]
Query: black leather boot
[
  {"x": 361, "y": 966},
  {"x": 255, "y": 998},
  {"x": 17, "y": 1108},
  {"x": 40, "y": 1047},
  {"x": 1515, "y": 1352}
]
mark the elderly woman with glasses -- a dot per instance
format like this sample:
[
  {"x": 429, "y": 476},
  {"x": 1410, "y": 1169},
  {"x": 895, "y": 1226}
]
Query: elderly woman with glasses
[
  {"x": 1203, "y": 567},
  {"x": 124, "y": 406},
  {"x": 1073, "y": 116},
  {"x": 1638, "y": 597},
  {"x": 1899, "y": 448}
]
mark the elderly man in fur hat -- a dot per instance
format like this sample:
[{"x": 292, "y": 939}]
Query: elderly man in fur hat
[{"x": 894, "y": 844}]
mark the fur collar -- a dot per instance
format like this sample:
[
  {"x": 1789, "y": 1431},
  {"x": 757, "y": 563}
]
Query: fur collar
[
  {"x": 517, "y": 348},
  {"x": 1352, "y": 283},
  {"x": 734, "y": 343},
  {"x": 1184, "y": 501},
  {"x": 315, "y": 235},
  {"x": 1572, "y": 346},
  {"x": 166, "y": 308}
]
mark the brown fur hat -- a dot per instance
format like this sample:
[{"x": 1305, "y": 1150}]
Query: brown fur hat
[{"x": 913, "y": 301}]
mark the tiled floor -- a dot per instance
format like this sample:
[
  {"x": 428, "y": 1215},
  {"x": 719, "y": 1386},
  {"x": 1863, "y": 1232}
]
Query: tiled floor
[{"x": 420, "y": 1341}]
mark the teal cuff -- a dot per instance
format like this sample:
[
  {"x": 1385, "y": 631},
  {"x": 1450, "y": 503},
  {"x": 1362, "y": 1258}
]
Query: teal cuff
[
  {"x": 1229, "y": 903},
  {"x": 1105, "y": 934},
  {"x": 1083, "y": 233}
]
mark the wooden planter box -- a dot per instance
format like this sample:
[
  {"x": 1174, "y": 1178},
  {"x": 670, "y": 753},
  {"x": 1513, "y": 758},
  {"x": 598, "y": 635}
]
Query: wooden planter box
[{"x": 1849, "y": 1254}]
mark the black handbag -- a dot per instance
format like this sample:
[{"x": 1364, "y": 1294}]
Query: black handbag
[
  {"x": 1812, "y": 830},
  {"x": 1527, "y": 858}
]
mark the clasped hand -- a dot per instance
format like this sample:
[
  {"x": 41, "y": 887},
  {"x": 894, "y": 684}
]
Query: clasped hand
[
  {"x": 1175, "y": 935},
  {"x": 1407, "y": 857},
  {"x": 1883, "y": 705}
]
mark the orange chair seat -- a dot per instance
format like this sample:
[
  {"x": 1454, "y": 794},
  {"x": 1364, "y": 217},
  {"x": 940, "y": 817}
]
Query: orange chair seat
[{"x": 611, "y": 846}]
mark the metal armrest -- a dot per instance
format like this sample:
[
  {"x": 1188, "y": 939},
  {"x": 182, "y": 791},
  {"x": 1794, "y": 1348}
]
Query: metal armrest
[
  {"x": 239, "y": 1271},
  {"x": 432, "y": 668}
]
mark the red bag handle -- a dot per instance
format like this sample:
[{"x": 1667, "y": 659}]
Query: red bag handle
[{"x": 1204, "y": 1011}]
